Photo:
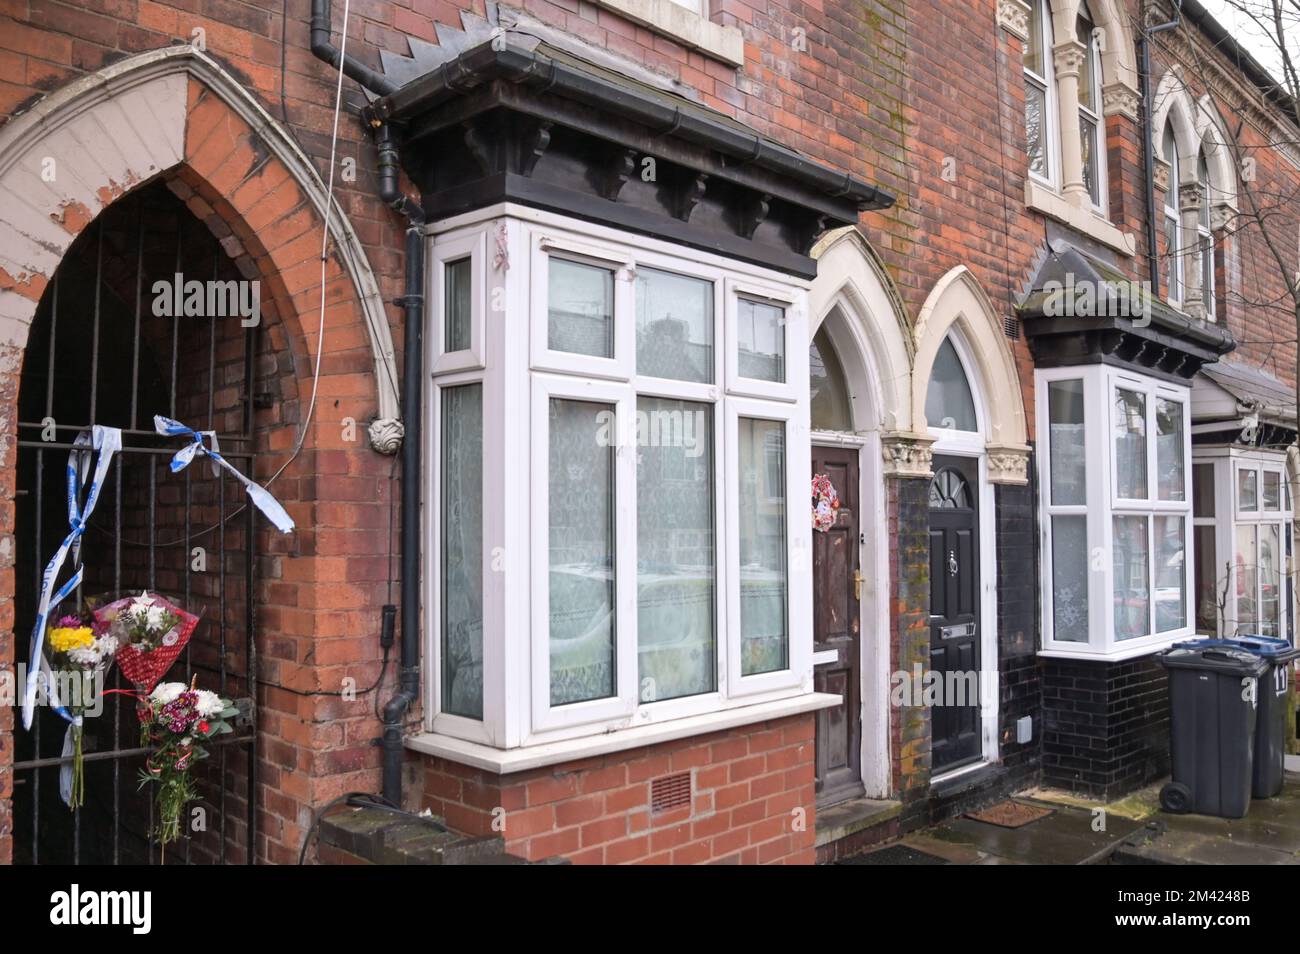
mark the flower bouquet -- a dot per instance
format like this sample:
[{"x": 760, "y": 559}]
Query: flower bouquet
[
  {"x": 176, "y": 720},
  {"x": 151, "y": 632},
  {"x": 80, "y": 653}
]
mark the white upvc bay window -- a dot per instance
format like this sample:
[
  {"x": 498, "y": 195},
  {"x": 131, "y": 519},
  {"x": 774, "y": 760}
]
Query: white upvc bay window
[
  {"x": 1243, "y": 520},
  {"x": 616, "y": 533},
  {"x": 1115, "y": 494}
]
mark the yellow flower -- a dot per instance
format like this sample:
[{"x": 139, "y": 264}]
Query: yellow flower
[{"x": 66, "y": 638}]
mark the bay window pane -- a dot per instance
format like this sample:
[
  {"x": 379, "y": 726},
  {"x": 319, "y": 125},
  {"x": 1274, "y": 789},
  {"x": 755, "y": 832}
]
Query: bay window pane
[
  {"x": 1171, "y": 578},
  {"x": 1247, "y": 490},
  {"x": 760, "y": 333},
  {"x": 674, "y": 326},
  {"x": 580, "y": 305},
  {"x": 456, "y": 306},
  {"x": 1270, "y": 580},
  {"x": 1207, "y": 581},
  {"x": 1247, "y": 580},
  {"x": 1272, "y": 490},
  {"x": 1130, "y": 423},
  {"x": 581, "y": 556},
  {"x": 1068, "y": 450},
  {"x": 461, "y": 576},
  {"x": 1070, "y": 578},
  {"x": 1036, "y": 127},
  {"x": 1131, "y": 565},
  {"x": 763, "y": 581},
  {"x": 675, "y": 553},
  {"x": 1171, "y": 472}
]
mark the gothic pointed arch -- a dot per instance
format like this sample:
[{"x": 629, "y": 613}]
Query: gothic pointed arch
[{"x": 957, "y": 302}]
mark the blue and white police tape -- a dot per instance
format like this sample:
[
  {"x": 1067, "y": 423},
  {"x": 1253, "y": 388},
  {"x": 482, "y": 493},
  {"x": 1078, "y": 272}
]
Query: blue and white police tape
[
  {"x": 260, "y": 496},
  {"x": 105, "y": 441}
]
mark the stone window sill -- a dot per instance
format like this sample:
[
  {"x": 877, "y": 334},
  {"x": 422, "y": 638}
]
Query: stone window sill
[
  {"x": 1042, "y": 199},
  {"x": 672, "y": 20},
  {"x": 506, "y": 761}
]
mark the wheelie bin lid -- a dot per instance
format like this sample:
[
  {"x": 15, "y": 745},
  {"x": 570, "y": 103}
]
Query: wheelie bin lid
[
  {"x": 1275, "y": 650},
  {"x": 1224, "y": 659}
]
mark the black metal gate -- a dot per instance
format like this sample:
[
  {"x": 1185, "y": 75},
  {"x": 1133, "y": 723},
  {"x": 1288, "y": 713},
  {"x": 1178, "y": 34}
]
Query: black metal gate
[{"x": 100, "y": 353}]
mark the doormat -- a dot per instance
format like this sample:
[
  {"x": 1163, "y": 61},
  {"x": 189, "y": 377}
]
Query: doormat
[
  {"x": 894, "y": 855},
  {"x": 1010, "y": 814}
]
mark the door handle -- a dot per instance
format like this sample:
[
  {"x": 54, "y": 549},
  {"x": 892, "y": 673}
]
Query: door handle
[{"x": 857, "y": 584}]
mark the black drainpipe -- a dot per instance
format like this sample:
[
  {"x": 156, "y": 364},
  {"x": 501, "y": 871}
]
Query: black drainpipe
[
  {"x": 1149, "y": 139},
  {"x": 412, "y": 303}
]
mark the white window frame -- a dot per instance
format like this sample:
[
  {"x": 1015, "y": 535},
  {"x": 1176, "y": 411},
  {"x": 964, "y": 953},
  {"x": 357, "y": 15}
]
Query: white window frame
[
  {"x": 1205, "y": 241},
  {"x": 623, "y": 701},
  {"x": 798, "y": 549},
  {"x": 618, "y": 367},
  {"x": 753, "y": 387},
  {"x": 1103, "y": 504},
  {"x": 1047, "y": 83},
  {"x": 519, "y": 380},
  {"x": 1227, "y": 463},
  {"x": 1100, "y": 154},
  {"x": 469, "y": 245},
  {"x": 1173, "y": 215}
]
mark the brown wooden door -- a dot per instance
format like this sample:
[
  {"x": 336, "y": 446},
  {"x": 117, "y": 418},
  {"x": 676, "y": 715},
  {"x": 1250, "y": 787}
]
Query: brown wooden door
[
  {"x": 836, "y": 626},
  {"x": 955, "y": 612}
]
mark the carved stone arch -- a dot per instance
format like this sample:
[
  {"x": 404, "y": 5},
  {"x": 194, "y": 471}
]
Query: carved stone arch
[
  {"x": 958, "y": 301},
  {"x": 1119, "y": 73},
  {"x": 112, "y": 130},
  {"x": 1172, "y": 103},
  {"x": 1214, "y": 144},
  {"x": 869, "y": 328}
]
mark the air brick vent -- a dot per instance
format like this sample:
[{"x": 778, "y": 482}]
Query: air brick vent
[{"x": 670, "y": 791}]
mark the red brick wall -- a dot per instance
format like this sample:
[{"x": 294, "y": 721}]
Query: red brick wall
[{"x": 752, "y": 801}]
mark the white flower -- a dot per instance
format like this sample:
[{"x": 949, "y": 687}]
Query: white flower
[
  {"x": 165, "y": 692},
  {"x": 154, "y": 617},
  {"x": 208, "y": 704}
]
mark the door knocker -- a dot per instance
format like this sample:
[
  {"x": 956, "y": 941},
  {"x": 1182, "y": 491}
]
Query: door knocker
[{"x": 952, "y": 563}]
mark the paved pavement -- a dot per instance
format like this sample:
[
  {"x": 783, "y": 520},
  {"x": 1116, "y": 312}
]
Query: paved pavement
[{"x": 1131, "y": 831}]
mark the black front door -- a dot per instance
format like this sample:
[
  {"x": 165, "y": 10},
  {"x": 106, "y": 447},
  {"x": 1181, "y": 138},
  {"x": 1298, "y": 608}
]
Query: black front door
[{"x": 954, "y": 612}]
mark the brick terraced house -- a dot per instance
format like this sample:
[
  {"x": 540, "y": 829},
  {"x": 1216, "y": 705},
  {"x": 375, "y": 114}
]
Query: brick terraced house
[{"x": 605, "y": 283}]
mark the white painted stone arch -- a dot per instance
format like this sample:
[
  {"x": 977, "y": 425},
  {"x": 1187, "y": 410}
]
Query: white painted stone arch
[
  {"x": 1118, "y": 59},
  {"x": 120, "y": 126},
  {"x": 957, "y": 301},
  {"x": 1197, "y": 126},
  {"x": 868, "y": 328}
]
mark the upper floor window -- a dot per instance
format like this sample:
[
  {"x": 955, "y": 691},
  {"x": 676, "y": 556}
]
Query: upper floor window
[
  {"x": 1092, "y": 140},
  {"x": 1040, "y": 100},
  {"x": 1173, "y": 215},
  {"x": 1205, "y": 237}
]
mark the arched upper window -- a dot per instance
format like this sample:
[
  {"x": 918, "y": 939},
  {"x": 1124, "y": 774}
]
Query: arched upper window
[
  {"x": 1040, "y": 99},
  {"x": 948, "y": 401},
  {"x": 1173, "y": 245},
  {"x": 831, "y": 410},
  {"x": 1205, "y": 236},
  {"x": 1092, "y": 140},
  {"x": 1062, "y": 92}
]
